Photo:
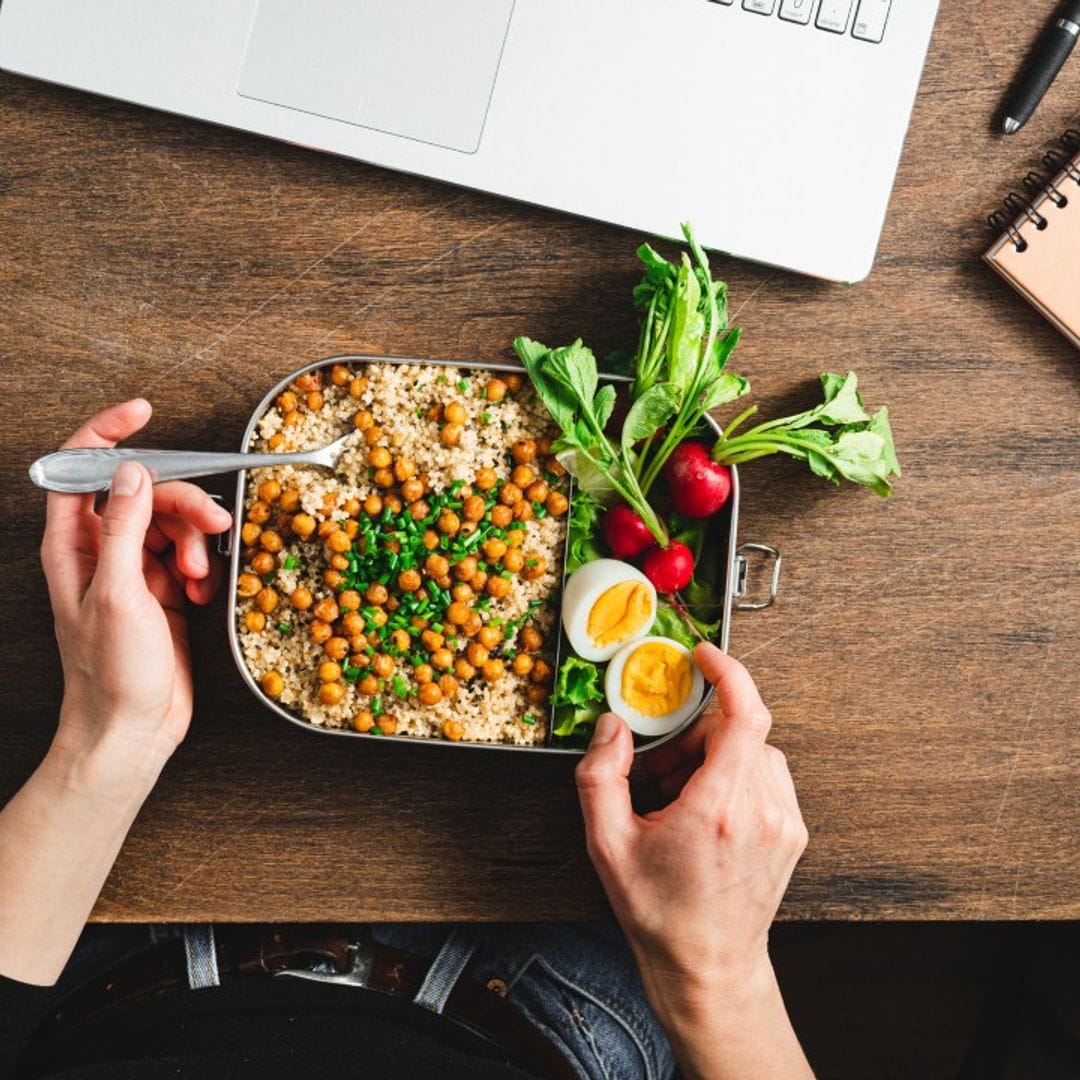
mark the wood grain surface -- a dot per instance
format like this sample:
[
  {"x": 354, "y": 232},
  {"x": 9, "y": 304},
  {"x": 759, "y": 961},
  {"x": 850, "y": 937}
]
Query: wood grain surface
[{"x": 921, "y": 662}]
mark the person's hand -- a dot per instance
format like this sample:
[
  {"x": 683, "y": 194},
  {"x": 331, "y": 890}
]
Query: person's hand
[
  {"x": 117, "y": 582},
  {"x": 695, "y": 886}
]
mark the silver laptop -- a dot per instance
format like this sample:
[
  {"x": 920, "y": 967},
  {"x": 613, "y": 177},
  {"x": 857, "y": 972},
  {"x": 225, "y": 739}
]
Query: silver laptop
[{"x": 774, "y": 126}]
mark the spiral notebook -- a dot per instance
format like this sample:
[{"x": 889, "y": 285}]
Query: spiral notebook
[{"x": 1038, "y": 251}]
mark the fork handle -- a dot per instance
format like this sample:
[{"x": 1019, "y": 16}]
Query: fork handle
[{"x": 88, "y": 470}]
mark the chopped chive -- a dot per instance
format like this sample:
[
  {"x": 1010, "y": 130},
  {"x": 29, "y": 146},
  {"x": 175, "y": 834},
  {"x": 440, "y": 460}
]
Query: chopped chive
[
  {"x": 401, "y": 688},
  {"x": 463, "y": 386},
  {"x": 442, "y": 380},
  {"x": 376, "y": 706},
  {"x": 531, "y": 562},
  {"x": 291, "y": 562},
  {"x": 376, "y": 730},
  {"x": 284, "y": 628},
  {"x": 485, "y": 418},
  {"x": 526, "y": 719},
  {"x": 437, "y": 627}
]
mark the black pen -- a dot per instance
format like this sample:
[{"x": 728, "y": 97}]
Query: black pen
[{"x": 1046, "y": 59}]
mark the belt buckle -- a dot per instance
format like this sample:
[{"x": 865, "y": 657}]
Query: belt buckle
[{"x": 362, "y": 956}]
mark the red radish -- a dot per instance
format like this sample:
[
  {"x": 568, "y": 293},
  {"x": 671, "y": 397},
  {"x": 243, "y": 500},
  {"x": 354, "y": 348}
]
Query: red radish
[
  {"x": 669, "y": 569},
  {"x": 626, "y": 534},
  {"x": 698, "y": 485}
]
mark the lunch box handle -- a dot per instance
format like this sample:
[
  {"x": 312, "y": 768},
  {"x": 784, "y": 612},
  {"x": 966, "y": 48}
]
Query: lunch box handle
[{"x": 767, "y": 553}]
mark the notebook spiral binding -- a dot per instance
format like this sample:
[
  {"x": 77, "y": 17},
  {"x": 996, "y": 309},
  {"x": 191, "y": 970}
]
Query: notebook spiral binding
[{"x": 1019, "y": 204}]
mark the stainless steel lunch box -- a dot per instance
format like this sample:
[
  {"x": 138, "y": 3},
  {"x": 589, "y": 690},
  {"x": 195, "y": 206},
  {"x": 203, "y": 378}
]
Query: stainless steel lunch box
[{"x": 740, "y": 562}]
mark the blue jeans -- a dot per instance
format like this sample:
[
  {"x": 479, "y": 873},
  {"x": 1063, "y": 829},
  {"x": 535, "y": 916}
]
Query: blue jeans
[{"x": 577, "y": 982}]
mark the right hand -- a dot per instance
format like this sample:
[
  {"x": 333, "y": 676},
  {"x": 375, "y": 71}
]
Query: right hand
[{"x": 696, "y": 885}]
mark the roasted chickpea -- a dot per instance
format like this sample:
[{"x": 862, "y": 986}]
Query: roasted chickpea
[
  {"x": 329, "y": 671},
  {"x": 310, "y": 380},
  {"x": 373, "y": 505},
  {"x": 442, "y": 659},
  {"x": 419, "y": 510},
  {"x": 357, "y": 387},
  {"x": 258, "y": 512},
  {"x": 303, "y": 525},
  {"x": 432, "y": 640},
  {"x": 383, "y": 666},
  {"x": 271, "y": 541},
  {"x": 449, "y": 522},
  {"x": 384, "y": 478},
  {"x": 287, "y": 402},
  {"x": 493, "y": 670},
  {"x": 523, "y": 476},
  {"x": 501, "y": 516},
  {"x": 363, "y": 420},
  {"x": 450, "y": 435},
  {"x": 486, "y": 479},
  {"x": 523, "y": 451},
  {"x": 289, "y": 500},
  {"x": 523, "y": 511},
  {"x": 266, "y": 599},
  {"x": 249, "y": 533},
  {"x": 462, "y": 591},
  {"x": 392, "y": 502},
  {"x": 541, "y": 672},
  {"x": 495, "y": 390},
  {"x": 513, "y": 383},
  {"x": 510, "y": 494},
  {"x": 523, "y": 664},
  {"x": 537, "y": 695},
  {"x": 255, "y": 621},
  {"x": 515, "y": 537},
  {"x": 301, "y": 598},
  {"x": 379, "y": 457},
  {"x": 454, "y": 730},
  {"x": 490, "y": 637},
  {"x": 465, "y": 568},
  {"x": 472, "y": 625},
  {"x": 473, "y": 508},
  {"x": 368, "y": 685},
  {"x": 531, "y": 639},
  {"x": 494, "y": 549},
  {"x": 373, "y": 435},
  {"x": 400, "y": 640},
  {"x": 326, "y": 609},
  {"x": 363, "y": 722},
  {"x": 535, "y": 566},
  {"x": 339, "y": 541},
  {"x": 262, "y": 562},
  {"x": 314, "y": 400},
  {"x": 376, "y": 593},
  {"x": 498, "y": 587},
  {"x": 430, "y": 539},
  {"x": 457, "y": 613},
  {"x": 479, "y": 580},
  {"x": 339, "y": 562},
  {"x": 423, "y": 673},
  {"x": 557, "y": 504},
  {"x": 353, "y": 625},
  {"x": 412, "y": 490},
  {"x": 537, "y": 492},
  {"x": 320, "y": 632},
  {"x": 293, "y": 419},
  {"x": 349, "y": 600},
  {"x": 430, "y": 694},
  {"x": 333, "y": 579},
  {"x": 454, "y": 413},
  {"x": 409, "y": 580},
  {"x": 419, "y": 622},
  {"x": 275, "y": 442},
  {"x": 463, "y": 669},
  {"x": 386, "y": 724},
  {"x": 269, "y": 491},
  {"x": 337, "y": 648},
  {"x": 513, "y": 560},
  {"x": 437, "y": 566},
  {"x": 476, "y": 654},
  {"x": 352, "y": 507},
  {"x": 340, "y": 374},
  {"x": 448, "y": 685},
  {"x": 272, "y": 683},
  {"x": 248, "y": 585}
]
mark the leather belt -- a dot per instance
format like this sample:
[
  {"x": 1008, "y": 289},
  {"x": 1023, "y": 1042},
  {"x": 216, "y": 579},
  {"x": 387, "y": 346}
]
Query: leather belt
[{"x": 309, "y": 952}]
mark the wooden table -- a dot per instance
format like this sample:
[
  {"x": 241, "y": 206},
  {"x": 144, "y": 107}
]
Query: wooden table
[{"x": 921, "y": 662}]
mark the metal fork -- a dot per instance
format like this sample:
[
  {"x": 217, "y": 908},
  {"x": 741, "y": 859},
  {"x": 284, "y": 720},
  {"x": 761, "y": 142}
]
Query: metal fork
[{"x": 87, "y": 470}]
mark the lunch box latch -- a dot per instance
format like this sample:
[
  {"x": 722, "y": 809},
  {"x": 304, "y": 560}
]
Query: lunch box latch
[{"x": 760, "y": 554}]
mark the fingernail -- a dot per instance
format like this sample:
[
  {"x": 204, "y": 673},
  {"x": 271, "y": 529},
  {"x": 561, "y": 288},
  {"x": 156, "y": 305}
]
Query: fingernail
[
  {"x": 198, "y": 560},
  {"x": 127, "y": 479},
  {"x": 607, "y": 727}
]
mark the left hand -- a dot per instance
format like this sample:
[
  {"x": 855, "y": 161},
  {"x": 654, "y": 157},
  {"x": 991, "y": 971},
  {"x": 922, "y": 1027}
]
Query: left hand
[{"x": 117, "y": 582}]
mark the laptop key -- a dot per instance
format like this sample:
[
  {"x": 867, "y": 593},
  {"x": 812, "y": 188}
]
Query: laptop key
[
  {"x": 728, "y": 3},
  {"x": 833, "y": 15},
  {"x": 797, "y": 11},
  {"x": 870, "y": 20},
  {"x": 762, "y": 7}
]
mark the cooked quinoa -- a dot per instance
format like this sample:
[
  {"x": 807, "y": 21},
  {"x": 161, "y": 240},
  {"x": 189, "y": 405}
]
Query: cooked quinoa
[{"x": 414, "y": 590}]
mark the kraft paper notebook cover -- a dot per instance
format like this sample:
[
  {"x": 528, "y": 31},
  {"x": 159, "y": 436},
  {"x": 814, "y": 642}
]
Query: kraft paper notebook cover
[{"x": 1038, "y": 253}]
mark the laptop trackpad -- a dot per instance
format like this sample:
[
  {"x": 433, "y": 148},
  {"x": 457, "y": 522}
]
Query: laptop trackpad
[{"x": 423, "y": 69}]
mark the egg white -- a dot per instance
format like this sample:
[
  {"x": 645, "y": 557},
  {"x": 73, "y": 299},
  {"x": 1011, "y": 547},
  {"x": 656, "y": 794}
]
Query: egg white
[
  {"x": 639, "y": 722},
  {"x": 583, "y": 588}
]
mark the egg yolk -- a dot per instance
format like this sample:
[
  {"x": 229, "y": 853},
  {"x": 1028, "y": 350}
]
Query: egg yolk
[
  {"x": 619, "y": 612},
  {"x": 656, "y": 679}
]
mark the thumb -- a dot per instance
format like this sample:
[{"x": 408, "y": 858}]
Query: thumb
[
  {"x": 603, "y": 784},
  {"x": 124, "y": 522}
]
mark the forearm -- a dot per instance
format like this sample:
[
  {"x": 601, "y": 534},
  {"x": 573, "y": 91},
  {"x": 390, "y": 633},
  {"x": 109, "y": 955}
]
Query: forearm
[
  {"x": 732, "y": 1032},
  {"x": 59, "y": 837}
]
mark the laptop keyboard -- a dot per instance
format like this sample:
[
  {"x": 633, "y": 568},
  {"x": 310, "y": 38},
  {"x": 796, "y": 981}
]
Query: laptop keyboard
[{"x": 834, "y": 16}]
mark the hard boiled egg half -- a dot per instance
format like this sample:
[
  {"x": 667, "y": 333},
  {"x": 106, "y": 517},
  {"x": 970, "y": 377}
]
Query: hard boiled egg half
[
  {"x": 654, "y": 684},
  {"x": 606, "y": 603}
]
